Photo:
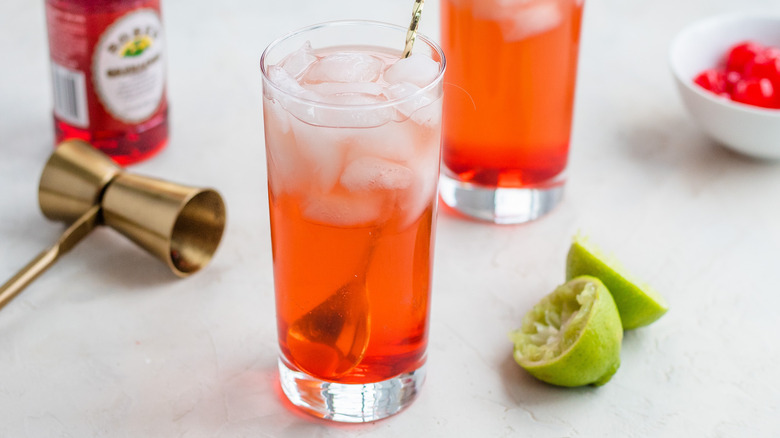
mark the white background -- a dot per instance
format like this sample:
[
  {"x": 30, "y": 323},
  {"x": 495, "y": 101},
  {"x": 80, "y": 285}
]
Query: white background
[{"x": 109, "y": 343}]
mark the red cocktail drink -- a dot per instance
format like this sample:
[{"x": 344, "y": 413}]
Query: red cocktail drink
[
  {"x": 353, "y": 136},
  {"x": 508, "y": 115}
]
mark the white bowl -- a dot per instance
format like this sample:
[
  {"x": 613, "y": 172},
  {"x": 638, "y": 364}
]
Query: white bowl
[{"x": 747, "y": 129}]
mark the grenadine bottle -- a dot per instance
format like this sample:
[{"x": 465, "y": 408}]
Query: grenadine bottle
[{"x": 109, "y": 75}]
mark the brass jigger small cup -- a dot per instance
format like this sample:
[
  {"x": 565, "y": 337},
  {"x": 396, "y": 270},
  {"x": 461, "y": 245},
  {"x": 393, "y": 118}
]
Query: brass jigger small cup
[{"x": 180, "y": 225}]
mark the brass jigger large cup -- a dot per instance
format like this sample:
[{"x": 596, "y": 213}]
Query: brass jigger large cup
[{"x": 180, "y": 225}]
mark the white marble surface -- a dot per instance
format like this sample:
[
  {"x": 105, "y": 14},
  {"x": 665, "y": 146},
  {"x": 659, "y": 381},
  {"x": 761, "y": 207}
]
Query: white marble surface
[{"x": 108, "y": 343}]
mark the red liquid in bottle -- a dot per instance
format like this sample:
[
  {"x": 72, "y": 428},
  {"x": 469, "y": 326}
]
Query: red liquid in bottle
[{"x": 108, "y": 75}]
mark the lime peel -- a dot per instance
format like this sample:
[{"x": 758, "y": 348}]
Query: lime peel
[{"x": 637, "y": 302}]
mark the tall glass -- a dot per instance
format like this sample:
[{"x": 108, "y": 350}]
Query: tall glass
[
  {"x": 353, "y": 140},
  {"x": 508, "y": 116}
]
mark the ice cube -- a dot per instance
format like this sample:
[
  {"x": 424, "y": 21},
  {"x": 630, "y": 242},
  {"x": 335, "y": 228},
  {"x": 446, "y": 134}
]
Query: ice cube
[
  {"x": 281, "y": 158},
  {"x": 400, "y": 90},
  {"x": 425, "y": 167},
  {"x": 284, "y": 80},
  {"x": 321, "y": 151},
  {"x": 290, "y": 89},
  {"x": 531, "y": 19},
  {"x": 419, "y": 107},
  {"x": 298, "y": 61},
  {"x": 336, "y": 88},
  {"x": 345, "y": 67},
  {"x": 353, "y": 111},
  {"x": 391, "y": 141},
  {"x": 372, "y": 173},
  {"x": 353, "y": 100},
  {"x": 344, "y": 210},
  {"x": 417, "y": 69},
  {"x": 283, "y": 173},
  {"x": 275, "y": 116},
  {"x": 303, "y": 109},
  {"x": 339, "y": 111}
]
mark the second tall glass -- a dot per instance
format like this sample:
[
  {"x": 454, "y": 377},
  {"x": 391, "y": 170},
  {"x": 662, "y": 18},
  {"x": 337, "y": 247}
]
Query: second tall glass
[{"x": 508, "y": 115}]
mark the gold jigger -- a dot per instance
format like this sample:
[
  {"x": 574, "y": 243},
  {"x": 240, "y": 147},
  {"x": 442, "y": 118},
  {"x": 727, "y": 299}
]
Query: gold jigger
[{"x": 180, "y": 225}]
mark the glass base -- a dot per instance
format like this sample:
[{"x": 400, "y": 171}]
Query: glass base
[
  {"x": 350, "y": 403},
  {"x": 500, "y": 205}
]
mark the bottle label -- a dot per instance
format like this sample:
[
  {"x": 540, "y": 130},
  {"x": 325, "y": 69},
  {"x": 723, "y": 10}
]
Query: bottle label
[
  {"x": 128, "y": 66},
  {"x": 70, "y": 95}
]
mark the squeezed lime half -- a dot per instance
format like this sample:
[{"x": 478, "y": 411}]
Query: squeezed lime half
[{"x": 572, "y": 337}]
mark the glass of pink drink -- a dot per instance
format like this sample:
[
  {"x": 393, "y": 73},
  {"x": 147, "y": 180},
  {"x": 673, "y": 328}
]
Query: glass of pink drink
[
  {"x": 508, "y": 116},
  {"x": 353, "y": 137}
]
